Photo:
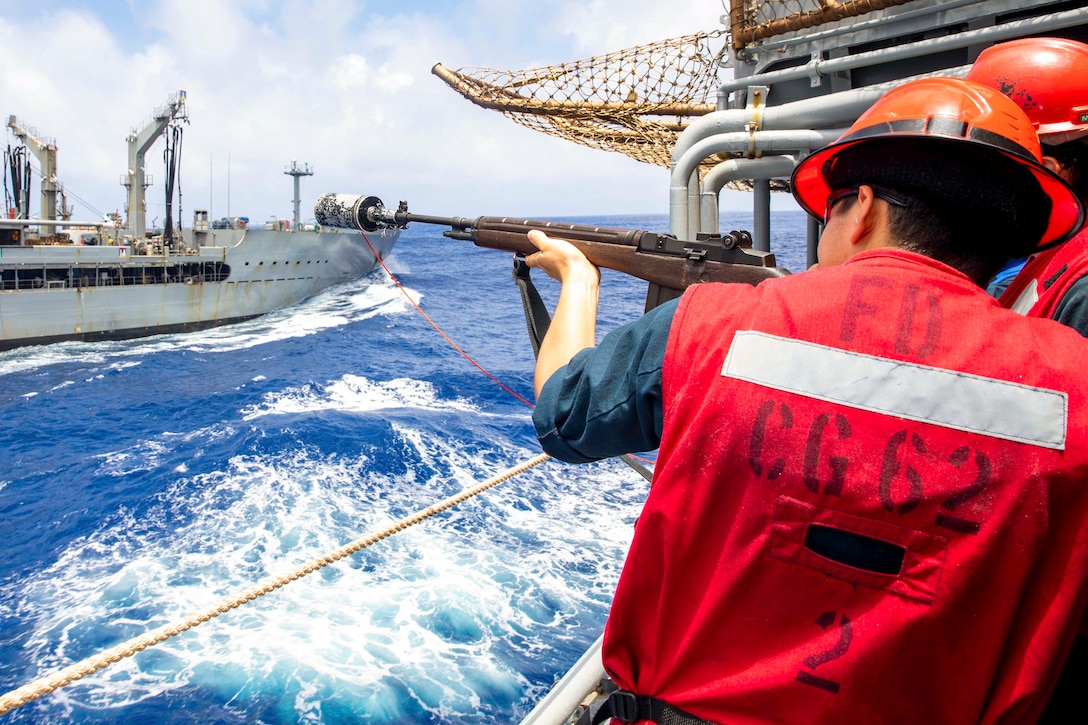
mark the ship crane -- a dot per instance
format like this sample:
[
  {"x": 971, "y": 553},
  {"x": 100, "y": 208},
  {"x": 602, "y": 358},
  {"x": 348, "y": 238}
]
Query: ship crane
[
  {"x": 45, "y": 150},
  {"x": 139, "y": 141}
]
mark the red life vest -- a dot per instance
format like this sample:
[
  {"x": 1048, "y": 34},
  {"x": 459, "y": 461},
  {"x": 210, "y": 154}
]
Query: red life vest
[
  {"x": 859, "y": 513},
  {"x": 1047, "y": 277}
]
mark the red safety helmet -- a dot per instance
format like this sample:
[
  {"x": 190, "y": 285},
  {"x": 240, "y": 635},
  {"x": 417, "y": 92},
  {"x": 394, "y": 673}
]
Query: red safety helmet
[
  {"x": 1047, "y": 77},
  {"x": 950, "y": 111}
]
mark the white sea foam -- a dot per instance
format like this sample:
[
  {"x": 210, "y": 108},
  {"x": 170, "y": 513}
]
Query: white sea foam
[
  {"x": 33, "y": 358},
  {"x": 397, "y": 264},
  {"x": 356, "y": 394},
  {"x": 430, "y": 610},
  {"x": 148, "y": 454},
  {"x": 337, "y": 306},
  {"x": 145, "y": 456}
]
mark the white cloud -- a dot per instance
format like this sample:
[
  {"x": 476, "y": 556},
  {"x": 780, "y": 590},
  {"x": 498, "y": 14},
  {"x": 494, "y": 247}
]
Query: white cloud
[{"x": 349, "y": 72}]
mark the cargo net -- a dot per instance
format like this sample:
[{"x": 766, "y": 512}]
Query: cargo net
[
  {"x": 754, "y": 20},
  {"x": 634, "y": 101}
]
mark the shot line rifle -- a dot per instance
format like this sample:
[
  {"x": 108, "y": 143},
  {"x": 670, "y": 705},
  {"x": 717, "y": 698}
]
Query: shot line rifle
[{"x": 660, "y": 259}]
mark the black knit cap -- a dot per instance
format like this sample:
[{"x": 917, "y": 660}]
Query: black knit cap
[{"x": 981, "y": 195}]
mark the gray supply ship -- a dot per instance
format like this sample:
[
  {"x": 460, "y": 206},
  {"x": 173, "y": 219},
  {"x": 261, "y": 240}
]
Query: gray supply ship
[{"x": 62, "y": 279}]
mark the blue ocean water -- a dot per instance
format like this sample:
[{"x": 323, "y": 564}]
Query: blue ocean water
[{"x": 144, "y": 480}]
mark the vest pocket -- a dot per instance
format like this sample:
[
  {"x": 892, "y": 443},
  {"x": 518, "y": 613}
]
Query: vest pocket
[{"x": 858, "y": 549}]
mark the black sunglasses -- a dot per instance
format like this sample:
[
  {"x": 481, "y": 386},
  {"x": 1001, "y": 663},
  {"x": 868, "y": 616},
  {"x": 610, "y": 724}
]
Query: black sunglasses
[{"x": 837, "y": 196}]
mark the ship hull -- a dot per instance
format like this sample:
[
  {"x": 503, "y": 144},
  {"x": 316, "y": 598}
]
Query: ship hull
[{"x": 55, "y": 293}]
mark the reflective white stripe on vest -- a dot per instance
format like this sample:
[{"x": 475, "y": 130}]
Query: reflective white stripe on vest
[
  {"x": 1027, "y": 298},
  {"x": 907, "y": 390}
]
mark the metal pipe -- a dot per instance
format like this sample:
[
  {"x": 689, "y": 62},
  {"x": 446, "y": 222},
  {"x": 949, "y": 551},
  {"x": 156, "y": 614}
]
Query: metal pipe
[
  {"x": 820, "y": 67},
  {"x": 834, "y": 109},
  {"x": 767, "y": 167},
  {"x": 709, "y": 219},
  {"x": 812, "y": 241},
  {"x": 693, "y": 202},
  {"x": 755, "y": 142},
  {"x": 761, "y": 215},
  {"x": 837, "y": 109}
]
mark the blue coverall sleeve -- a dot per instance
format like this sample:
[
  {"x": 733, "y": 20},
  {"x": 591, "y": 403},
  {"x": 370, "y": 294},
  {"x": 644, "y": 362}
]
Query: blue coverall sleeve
[{"x": 607, "y": 400}]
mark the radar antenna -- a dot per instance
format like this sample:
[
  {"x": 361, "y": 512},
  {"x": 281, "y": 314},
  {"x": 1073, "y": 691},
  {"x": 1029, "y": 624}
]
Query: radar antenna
[{"x": 296, "y": 171}]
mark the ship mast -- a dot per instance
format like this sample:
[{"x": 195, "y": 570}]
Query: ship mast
[
  {"x": 297, "y": 171},
  {"x": 46, "y": 152},
  {"x": 139, "y": 141}
]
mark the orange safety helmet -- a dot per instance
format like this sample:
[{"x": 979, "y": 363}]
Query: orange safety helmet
[
  {"x": 1047, "y": 77},
  {"x": 954, "y": 113}
]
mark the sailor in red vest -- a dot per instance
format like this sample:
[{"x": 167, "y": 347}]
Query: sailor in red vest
[
  {"x": 860, "y": 513},
  {"x": 1048, "y": 78}
]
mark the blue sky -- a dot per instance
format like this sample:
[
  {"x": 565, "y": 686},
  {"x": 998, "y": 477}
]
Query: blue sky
[{"x": 345, "y": 86}]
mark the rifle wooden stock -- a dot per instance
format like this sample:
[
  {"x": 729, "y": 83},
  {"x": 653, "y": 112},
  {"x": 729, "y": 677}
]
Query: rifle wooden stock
[{"x": 656, "y": 258}]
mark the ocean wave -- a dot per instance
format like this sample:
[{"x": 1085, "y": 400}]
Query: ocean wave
[
  {"x": 440, "y": 622},
  {"x": 335, "y": 307},
  {"x": 343, "y": 304}
]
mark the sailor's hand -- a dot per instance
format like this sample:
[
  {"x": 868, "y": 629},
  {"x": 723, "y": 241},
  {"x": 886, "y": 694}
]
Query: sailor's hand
[
  {"x": 574, "y": 324},
  {"x": 560, "y": 259}
]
